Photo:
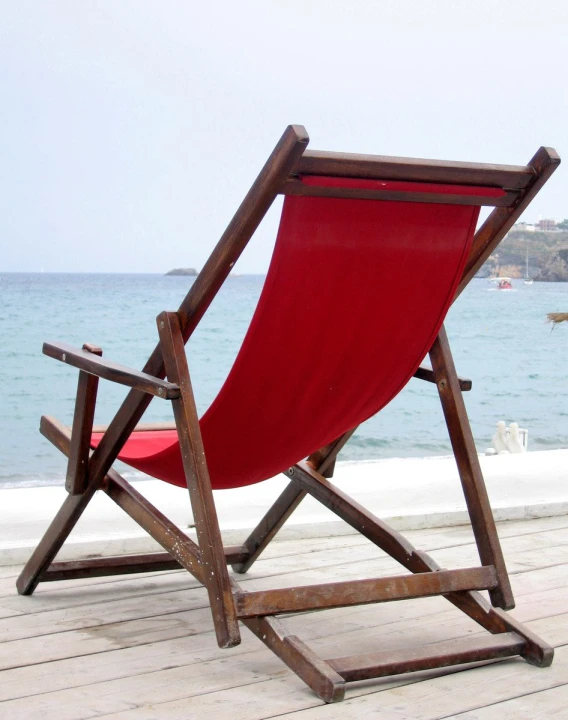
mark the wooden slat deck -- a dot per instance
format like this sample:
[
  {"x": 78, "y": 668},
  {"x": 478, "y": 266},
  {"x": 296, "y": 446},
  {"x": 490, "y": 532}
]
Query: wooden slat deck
[{"x": 143, "y": 646}]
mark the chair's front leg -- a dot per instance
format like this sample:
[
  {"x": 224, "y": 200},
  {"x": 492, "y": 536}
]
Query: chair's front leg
[
  {"x": 62, "y": 523},
  {"x": 216, "y": 576}
]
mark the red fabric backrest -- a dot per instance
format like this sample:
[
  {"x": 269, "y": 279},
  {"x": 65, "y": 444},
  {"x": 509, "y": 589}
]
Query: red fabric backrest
[{"x": 354, "y": 297}]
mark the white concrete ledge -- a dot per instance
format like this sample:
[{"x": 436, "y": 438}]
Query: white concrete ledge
[{"x": 410, "y": 493}]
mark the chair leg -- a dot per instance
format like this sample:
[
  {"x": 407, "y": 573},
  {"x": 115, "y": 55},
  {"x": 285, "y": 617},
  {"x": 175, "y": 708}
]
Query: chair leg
[
  {"x": 216, "y": 575},
  {"x": 157, "y": 525},
  {"x": 51, "y": 542},
  {"x": 270, "y": 524},
  {"x": 469, "y": 469},
  {"x": 354, "y": 514},
  {"x": 535, "y": 651},
  {"x": 312, "y": 669},
  {"x": 62, "y": 524},
  {"x": 324, "y": 462},
  {"x": 77, "y": 476}
]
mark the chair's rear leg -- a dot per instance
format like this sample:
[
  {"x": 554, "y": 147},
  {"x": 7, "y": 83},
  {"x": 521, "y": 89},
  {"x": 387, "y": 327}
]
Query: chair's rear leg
[
  {"x": 469, "y": 469},
  {"x": 358, "y": 517},
  {"x": 535, "y": 651},
  {"x": 312, "y": 669},
  {"x": 270, "y": 524},
  {"x": 324, "y": 462},
  {"x": 216, "y": 575}
]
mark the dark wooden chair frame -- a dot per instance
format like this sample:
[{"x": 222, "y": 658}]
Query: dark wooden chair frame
[{"x": 207, "y": 559}]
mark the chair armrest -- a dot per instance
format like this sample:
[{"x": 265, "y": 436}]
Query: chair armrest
[
  {"x": 95, "y": 365},
  {"x": 425, "y": 373}
]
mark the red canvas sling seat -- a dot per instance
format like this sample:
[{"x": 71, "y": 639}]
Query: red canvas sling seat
[
  {"x": 370, "y": 253},
  {"x": 354, "y": 297}
]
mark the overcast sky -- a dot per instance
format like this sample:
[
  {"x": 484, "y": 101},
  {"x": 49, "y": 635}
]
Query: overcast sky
[{"x": 131, "y": 130}]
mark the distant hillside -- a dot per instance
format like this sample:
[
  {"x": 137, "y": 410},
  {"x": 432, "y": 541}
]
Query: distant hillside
[{"x": 548, "y": 256}]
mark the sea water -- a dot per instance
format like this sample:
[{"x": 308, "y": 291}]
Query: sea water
[{"x": 500, "y": 339}]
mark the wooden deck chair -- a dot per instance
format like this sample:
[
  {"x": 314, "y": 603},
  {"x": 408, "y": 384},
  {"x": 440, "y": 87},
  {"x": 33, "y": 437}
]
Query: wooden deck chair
[{"x": 336, "y": 335}]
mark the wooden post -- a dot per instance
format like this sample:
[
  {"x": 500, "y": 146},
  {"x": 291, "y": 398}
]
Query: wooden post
[
  {"x": 469, "y": 468},
  {"x": 216, "y": 576},
  {"x": 78, "y": 463}
]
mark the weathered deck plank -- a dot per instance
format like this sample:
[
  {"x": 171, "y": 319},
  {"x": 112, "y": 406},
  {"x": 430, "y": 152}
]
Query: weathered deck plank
[{"x": 540, "y": 705}]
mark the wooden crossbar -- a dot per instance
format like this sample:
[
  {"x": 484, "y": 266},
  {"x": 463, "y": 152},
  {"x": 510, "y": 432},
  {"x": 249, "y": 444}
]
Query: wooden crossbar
[
  {"x": 110, "y": 565},
  {"x": 443, "y": 654},
  {"x": 427, "y": 374},
  {"x": 294, "y": 186},
  {"x": 317, "y": 162},
  {"x": 127, "y": 564},
  {"x": 362, "y": 592}
]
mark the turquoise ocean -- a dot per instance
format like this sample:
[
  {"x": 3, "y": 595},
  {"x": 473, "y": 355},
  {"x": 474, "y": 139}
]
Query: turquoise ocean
[{"x": 500, "y": 339}]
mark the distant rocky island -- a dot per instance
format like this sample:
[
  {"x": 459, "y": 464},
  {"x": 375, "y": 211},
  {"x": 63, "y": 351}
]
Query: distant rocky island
[{"x": 187, "y": 272}]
